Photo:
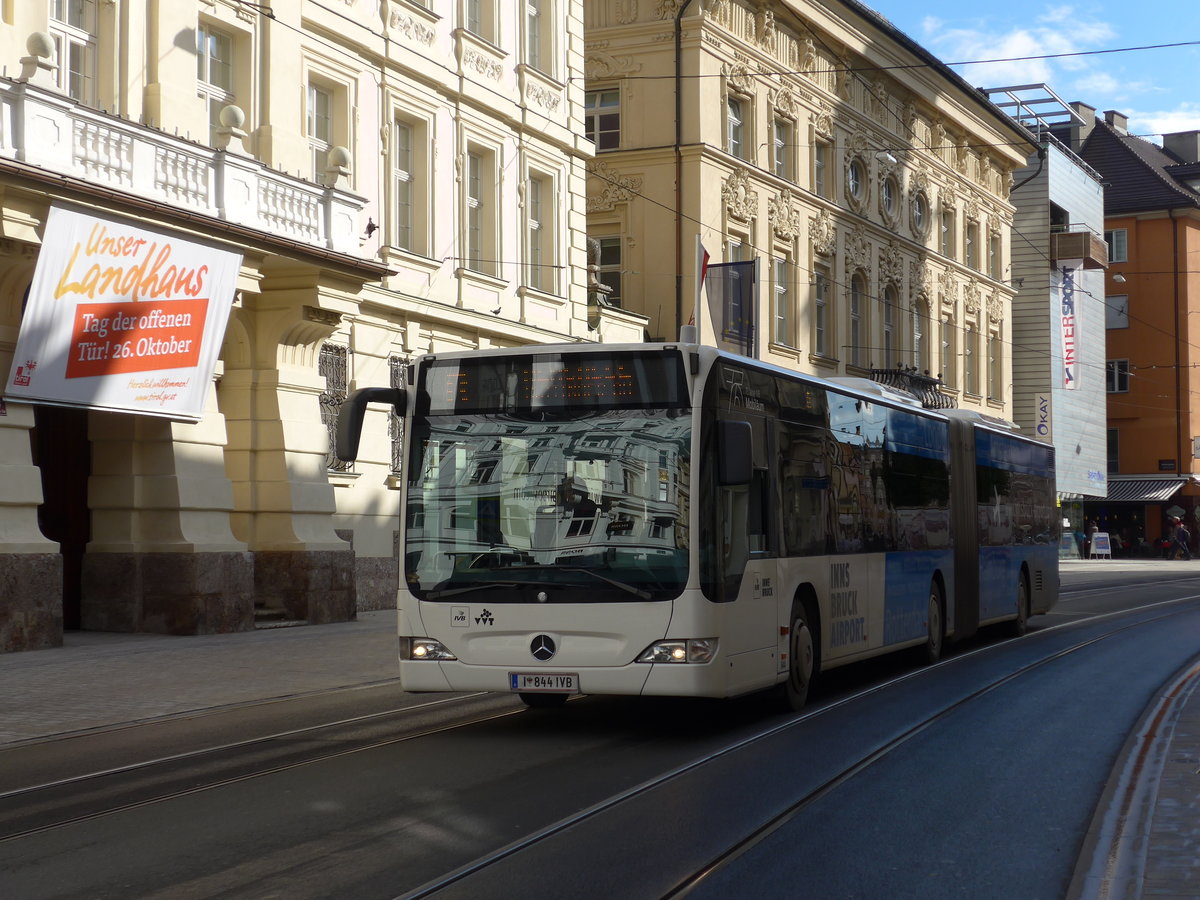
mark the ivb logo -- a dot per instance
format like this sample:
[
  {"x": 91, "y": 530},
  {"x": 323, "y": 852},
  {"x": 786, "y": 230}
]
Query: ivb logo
[{"x": 460, "y": 616}]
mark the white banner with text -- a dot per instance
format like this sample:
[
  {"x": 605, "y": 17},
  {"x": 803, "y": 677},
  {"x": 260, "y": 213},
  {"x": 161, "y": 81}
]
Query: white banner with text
[{"x": 122, "y": 317}]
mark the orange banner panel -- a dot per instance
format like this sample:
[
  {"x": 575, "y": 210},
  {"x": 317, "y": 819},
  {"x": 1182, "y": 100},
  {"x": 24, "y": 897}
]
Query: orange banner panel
[{"x": 110, "y": 338}]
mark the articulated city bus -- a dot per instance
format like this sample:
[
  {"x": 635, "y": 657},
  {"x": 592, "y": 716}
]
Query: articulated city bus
[{"x": 670, "y": 519}]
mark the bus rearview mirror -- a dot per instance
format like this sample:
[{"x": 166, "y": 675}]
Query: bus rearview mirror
[{"x": 350, "y": 417}]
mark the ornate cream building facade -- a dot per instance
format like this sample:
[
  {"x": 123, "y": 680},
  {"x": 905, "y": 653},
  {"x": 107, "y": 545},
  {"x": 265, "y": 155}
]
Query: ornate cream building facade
[
  {"x": 869, "y": 181},
  {"x": 399, "y": 177}
]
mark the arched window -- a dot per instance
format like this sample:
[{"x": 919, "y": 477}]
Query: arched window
[
  {"x": 858, "y": 299},
  {"x": 946, "y": 360},
  {"x": 888, "y": 315},
  {"x": 920, "y": 326}
]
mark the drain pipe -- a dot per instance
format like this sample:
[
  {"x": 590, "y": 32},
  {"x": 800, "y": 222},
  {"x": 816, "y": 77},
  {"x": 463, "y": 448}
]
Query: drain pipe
[
  {"x": 679, "y": 167},
  {"x": 1184, "y": 451}
]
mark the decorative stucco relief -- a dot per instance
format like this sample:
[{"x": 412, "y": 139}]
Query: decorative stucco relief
[
  {"x": 544, "y": 97},
  {"x": 858, "y": 250},
  {"x": 971, "y": 298},
  {"x": 891, "y": 264},
  {"x": 808, "y": 55},
  {"x": 822, "y": 233},
  {"x": 605, "y": 65},
  {"x": 995, "y": 307},
  {"x": 740, "y": 201},
  {"x": 948, "y": 289},
  {"x": 740, "y": 78},
  {"x": 667, "y": 9},
  {"x": 918, "y": 181},
  {"x": 843, "y": 74},
  {"x": 784, "y": 215},
  {"x": 920, "y": 279},
  {"x": 484, "y": 65},
  {"x": 823, "y": 120},
  {"x": 784, "y": 102},
  {"x": 764, "y": 27},
  {"x": 402, "y": 23},
  {"x": 613, "y": 187}
]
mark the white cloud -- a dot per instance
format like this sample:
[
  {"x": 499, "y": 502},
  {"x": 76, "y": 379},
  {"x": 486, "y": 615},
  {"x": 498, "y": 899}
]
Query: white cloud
[
  {"x": 1183, "y": 118},
  {"x": 1057, "y": 14},
  {"x": 1096, "y": 84},
  {"x": 1060, "y": 30},
  {"x": 1102, "y": 87}
]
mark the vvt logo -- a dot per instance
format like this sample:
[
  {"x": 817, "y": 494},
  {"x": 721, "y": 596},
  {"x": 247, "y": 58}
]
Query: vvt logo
[{"x": 485, "y": 618}]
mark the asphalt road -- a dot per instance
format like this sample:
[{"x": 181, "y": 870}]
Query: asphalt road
[{"x": 977, "y": 777}]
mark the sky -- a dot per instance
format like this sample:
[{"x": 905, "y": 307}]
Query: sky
[{"x": 1156, "y": 88}]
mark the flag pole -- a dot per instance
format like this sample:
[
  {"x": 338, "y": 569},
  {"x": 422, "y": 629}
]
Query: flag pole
[{"x": 701, "y": 271}]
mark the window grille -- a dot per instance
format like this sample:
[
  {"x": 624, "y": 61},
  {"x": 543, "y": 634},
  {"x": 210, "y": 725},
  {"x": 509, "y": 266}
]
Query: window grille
[{"x": 334, "y": 365}]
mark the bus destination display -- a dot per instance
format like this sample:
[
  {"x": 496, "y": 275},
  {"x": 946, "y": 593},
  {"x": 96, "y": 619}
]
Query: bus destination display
[{"x": 555, "y": 381}]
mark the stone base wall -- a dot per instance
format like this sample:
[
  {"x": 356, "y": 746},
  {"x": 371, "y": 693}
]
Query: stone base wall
[
  {"x": 314, "y": 586},
  {"x": 31, "y": 612},
  {"x": 185, "y": 593},
  {"x": 375, "y": 581},
  {"x": 168, "y": 593}
]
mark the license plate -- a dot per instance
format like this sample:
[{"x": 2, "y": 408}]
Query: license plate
[{"x": 554, "y": 682}]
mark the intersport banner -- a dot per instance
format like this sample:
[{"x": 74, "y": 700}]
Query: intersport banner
[{"x": 122, "y": 317}]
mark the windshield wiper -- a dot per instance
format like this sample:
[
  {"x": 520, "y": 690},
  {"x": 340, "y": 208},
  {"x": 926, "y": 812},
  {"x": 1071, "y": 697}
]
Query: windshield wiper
[
  {"x": 466, "y": 589},
  {"x": 625, "y": 586}
]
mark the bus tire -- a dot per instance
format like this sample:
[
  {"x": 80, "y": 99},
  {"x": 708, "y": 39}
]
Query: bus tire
[
  {"x": 804, "y": 659},
  {"x": 543, "y": 701},
  {"x": 1020, "y": 625},
  {"x": 935, "y": 625}
]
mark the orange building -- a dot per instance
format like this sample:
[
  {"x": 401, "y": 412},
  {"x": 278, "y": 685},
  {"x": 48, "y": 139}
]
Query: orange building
[{"x": 1152, "y": 226}]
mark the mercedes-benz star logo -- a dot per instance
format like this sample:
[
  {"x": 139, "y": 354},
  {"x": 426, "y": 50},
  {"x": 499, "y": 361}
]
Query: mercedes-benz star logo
[{"x": 542, "y": 647}]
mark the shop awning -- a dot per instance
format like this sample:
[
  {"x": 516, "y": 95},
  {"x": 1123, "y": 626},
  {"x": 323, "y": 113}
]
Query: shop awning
[{"x": 1144, "y": 490}]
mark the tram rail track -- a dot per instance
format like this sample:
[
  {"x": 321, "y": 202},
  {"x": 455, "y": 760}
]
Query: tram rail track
[{"x": 63, "y": 802}]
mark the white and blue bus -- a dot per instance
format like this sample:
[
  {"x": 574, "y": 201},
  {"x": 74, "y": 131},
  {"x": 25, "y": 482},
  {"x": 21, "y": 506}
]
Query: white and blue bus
[{"x": 669, "y": 519}]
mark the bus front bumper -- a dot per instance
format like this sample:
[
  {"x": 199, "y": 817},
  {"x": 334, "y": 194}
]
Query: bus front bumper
[{"x": 634, "y": 679}]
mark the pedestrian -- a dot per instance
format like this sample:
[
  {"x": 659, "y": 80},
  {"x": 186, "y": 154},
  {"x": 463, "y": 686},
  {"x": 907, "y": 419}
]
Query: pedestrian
[
  {"x": 1182, "y": 538},
  {"x": 1091, "y": 534}
]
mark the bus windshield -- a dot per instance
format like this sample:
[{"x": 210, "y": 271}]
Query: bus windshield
[{"x": 562, "y": 504}]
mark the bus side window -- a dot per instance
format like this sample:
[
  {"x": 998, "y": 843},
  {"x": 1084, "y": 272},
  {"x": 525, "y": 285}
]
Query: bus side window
[{"x": 758, "y": 514}]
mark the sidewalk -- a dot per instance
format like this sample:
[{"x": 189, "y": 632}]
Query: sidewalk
[{"x": 99, "y": 680}]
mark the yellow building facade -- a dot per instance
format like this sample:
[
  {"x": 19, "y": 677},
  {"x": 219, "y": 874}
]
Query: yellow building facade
[
  {"x": 868, "y": 181},
  {"x": 398, "y": 177}
]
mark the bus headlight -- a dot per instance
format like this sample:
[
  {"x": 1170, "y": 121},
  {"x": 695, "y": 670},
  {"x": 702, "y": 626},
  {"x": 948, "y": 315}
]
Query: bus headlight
[
  {"x": 693, "y": 650},
  {"x": 423, "y": 648}
]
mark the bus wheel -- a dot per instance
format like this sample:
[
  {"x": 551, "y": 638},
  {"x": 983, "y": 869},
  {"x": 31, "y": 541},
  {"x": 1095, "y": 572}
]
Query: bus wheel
[
  {"x": 803, "y": 656},
  {"x": 1020, "y": 624},
  {"x": 935, "y": 626},
  {"x": 544, "y": 701}
]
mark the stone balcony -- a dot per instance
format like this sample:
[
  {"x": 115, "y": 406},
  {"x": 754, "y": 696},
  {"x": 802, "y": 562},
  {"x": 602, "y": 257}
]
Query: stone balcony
[{"x": 41, "y": 127}]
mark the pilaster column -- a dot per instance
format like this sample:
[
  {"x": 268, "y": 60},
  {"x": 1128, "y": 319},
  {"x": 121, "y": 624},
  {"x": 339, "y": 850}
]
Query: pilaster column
[
  {"x": 31, "y": 609},
  {"x": 277, "y": 458},
  {"x": 163, "y": 557}
]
